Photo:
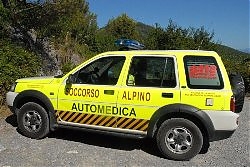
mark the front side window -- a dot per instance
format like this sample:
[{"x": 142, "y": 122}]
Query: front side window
[
  {"x": 148, "y": 71},
  {"x": 104, "y": 71},
  {"x": 202, "y": 72}
]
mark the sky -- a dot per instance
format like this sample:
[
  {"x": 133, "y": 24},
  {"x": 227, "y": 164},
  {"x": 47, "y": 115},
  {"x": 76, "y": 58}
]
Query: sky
[{"x": 228, "y": 19}]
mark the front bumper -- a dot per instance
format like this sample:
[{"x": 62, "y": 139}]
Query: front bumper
[{"x": 10, "y": 97}]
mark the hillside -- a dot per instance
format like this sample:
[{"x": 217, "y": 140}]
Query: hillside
[
  {"x": 234, "y": 60},
  {"x": 225, "y": 50},
  {"x": 144, "y": 30},
  {"x": 41, "y": 39}
]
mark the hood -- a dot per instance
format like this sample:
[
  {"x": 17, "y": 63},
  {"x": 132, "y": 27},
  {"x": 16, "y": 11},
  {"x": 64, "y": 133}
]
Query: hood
[{"x": 40, "y": 80}]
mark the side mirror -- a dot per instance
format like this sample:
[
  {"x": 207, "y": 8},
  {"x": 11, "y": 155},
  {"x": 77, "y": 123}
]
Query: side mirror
[{"x": 71, "y": 79}]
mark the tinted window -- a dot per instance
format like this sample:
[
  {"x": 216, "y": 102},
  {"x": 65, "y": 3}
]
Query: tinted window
[
  {"x": 152, "y": 72},
  {"x": 202, "y": 72},
  {"x": 104, "y": 71}
]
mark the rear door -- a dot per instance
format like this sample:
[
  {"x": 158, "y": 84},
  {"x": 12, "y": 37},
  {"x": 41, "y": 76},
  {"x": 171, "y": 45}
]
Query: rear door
[
  {"x": 205, "y": 86},
  {"x": 150, "y": 84}
]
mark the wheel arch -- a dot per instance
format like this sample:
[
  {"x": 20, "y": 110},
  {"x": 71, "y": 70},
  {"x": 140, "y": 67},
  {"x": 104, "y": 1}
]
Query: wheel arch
[
  {"x": 39, "y": 98},
  {"x": 197, "y": 116}
]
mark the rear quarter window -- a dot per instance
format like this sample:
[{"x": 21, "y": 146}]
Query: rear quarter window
[{"x": 203, "y": 72}]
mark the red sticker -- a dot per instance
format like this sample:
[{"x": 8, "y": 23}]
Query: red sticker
[{"x": 203, "y": 71}]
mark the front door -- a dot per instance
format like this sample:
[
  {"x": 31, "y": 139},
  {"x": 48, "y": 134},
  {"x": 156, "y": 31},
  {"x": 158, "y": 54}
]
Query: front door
[{"x": 91, "y": 98}]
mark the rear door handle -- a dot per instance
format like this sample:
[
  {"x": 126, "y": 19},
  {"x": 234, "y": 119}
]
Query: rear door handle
[
  {"x": 109, "y": 92},
  {"x": 167, "y": 95}
]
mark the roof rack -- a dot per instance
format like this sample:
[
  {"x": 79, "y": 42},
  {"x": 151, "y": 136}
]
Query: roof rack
[{"x": 129, "y": 44}]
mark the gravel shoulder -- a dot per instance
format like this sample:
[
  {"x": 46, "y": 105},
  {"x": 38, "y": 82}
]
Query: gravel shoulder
[
  {"x": 67, "y": 147},
  {"x": 4, "y": 112}
]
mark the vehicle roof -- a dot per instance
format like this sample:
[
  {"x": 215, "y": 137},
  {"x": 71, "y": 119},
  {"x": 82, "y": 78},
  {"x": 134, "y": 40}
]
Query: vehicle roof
[{"x": 164, "y": 52}]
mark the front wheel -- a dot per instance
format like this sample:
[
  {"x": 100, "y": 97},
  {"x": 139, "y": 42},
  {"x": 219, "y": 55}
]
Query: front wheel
[
  {"x": 179, "y": 139},
  {"x": 33, "y": 120}
]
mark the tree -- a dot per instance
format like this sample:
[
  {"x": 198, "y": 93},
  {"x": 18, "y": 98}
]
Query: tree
[
  {"x": 176, "y": 37},
  {"x": 15, "y": 62},
  {"x": 203, "y": 39},
  {"x": 122, "y": 27},
  {"x": 105, "y": 41},
  {"x": 156, "y": 38}
]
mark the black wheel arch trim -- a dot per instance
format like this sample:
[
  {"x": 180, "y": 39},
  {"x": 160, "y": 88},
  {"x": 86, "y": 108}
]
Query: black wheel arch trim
[
  {"x": 179, "y": 110},
  {"x": 25, "y": 96}
]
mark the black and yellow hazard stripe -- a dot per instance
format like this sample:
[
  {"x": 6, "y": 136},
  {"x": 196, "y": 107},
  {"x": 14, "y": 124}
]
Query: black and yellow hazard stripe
[{"x": 102, "y": 120}]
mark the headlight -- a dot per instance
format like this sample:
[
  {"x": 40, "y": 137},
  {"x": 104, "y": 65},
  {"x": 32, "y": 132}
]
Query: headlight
[{"x": 12, "y": 88}]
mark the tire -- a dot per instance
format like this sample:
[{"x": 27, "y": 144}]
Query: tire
[
  {"x": 33, "y": 121},
  {"x": 179, "y": 139},
  {"x": 238, "y": 88}
]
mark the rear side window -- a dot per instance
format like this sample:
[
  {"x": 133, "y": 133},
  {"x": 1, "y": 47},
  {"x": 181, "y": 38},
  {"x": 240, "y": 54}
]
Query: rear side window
[
  {"x": 146, "y": 71},
  {"x": 202, "y": 72}
]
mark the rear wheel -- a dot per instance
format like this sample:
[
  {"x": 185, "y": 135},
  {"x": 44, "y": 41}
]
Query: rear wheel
[
  {"x": 33, "y": 121},
  {"x": 179, "y": 139}
]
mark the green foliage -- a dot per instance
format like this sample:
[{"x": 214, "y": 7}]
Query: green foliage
[
  {"x": 156, "y": 39},
  {"x": 236, "y": 62},
  {"x": 122, "y": 27},
  {"x": 105, "y": 41},
  {"x": 4, "y": 20},
  {"x": 15, "y": 62},
  {"x": 69, "y": 17},
  {"x": 56, "y": 19},
  {"x": 176, "y": 37},
  {"x": 143, "y": 31},
  {"x": 67, "y": 67}
]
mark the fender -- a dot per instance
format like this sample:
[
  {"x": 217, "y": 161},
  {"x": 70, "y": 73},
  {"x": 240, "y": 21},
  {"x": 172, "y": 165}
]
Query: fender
[
  {"x": 40, "y": 98},
  {"x": 181, "y": 110}
]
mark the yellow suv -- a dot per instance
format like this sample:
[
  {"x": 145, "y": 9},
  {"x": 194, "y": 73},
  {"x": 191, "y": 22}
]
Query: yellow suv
[{"x": 182, "y": 99}]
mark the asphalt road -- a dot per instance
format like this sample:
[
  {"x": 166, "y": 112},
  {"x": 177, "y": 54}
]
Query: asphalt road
[{"x": 77, "y": 148}]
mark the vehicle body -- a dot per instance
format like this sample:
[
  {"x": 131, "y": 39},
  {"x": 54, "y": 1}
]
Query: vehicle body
[{"x": 182, "y": 99}]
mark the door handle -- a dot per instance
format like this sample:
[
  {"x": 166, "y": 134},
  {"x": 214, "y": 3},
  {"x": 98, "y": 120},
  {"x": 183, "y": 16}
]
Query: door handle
[
  {"x": 167, "y": 95},
  {"x": 109, "y": 92}
]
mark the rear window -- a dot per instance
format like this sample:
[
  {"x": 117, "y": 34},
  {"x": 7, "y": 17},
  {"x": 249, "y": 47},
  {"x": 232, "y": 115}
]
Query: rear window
[{"x": 202, "y": 72}]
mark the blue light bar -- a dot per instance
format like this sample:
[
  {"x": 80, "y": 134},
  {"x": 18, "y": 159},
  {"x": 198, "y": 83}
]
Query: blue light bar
[{"x": 129, "y": 44}]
